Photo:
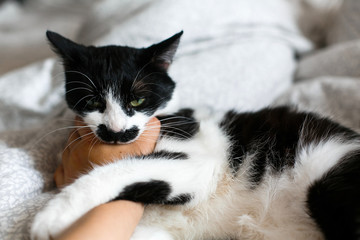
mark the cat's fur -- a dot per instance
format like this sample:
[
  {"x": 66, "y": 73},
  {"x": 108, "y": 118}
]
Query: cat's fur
[{"x": 273, "y": 174}]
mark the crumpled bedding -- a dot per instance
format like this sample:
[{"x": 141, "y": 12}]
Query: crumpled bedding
[{"x": 236, "y": 55}]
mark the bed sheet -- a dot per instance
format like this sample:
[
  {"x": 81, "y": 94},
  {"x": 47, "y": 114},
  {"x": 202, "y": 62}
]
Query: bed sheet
[{"x": 234, "y": 54}]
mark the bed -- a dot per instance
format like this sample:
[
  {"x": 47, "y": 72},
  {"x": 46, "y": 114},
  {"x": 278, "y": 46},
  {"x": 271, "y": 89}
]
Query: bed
[{"x": 235, "y": 54}]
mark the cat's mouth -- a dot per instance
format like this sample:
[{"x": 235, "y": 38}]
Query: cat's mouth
[{"x": 122, "y": 137}]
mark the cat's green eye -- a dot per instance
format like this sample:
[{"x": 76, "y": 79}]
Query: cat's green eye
[
  {"x": 94, "y": 104},
  {"x": 137, "y": 102}
]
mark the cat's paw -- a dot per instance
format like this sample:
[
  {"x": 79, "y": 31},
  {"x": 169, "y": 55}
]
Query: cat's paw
[
  {"x": 150, "y": 233},
  {"x": 52, "y": 220}
]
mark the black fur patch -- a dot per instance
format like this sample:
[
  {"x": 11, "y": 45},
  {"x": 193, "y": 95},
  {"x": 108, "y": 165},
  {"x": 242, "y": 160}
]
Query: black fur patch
[
  {"x": 152, "y": 192},
  {"x": 180, "y": 125},
  {"x": 168, "y": 155},
  {"x": 273, "y": 135},
  {"x": 316, "y": 129},
  {"x": 334, "y": 200}
]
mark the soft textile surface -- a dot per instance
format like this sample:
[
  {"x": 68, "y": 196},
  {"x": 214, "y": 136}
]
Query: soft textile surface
[
  {"x": 346, "y": 25},
  {"x": 235, "y": 55},
  {"x": 336, "y": 60}
]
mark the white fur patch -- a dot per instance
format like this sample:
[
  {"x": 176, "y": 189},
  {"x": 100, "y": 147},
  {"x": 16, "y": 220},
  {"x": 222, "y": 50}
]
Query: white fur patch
[{"x": 114, "y": 117}]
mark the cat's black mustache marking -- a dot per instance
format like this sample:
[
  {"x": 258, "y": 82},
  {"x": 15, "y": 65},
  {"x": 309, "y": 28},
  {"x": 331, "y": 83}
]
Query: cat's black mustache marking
[{"x": 110, "y": 136}]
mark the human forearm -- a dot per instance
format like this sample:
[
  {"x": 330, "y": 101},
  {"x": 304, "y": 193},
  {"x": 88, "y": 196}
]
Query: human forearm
[{"x": 113, "y": 220}]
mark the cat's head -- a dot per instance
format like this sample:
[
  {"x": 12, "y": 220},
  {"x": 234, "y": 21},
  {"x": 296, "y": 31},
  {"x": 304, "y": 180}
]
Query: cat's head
[{"x": 116, "y": 89}]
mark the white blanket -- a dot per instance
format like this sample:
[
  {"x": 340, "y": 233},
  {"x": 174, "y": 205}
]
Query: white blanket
[{"x": 234, "y": 54}]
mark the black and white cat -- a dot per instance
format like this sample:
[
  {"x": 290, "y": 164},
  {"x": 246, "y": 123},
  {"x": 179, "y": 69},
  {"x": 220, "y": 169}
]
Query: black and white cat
[{"x": 273, "y": 174}]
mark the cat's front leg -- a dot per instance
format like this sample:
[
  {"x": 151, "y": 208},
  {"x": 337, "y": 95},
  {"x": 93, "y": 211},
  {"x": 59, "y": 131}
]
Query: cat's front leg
[
  {"x": 159, "y": 181},
  {"x": 66, "y": 207}
]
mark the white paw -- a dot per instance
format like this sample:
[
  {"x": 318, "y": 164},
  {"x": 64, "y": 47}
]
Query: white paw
[
  {"x": 150, "y": 233},
  {"x": 53, "y": 219}
]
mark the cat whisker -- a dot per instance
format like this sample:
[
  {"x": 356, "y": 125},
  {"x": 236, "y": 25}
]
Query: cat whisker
[
  {"x": 83, "y": 99},
  {"x": 156, "y": 84},
  {"x": 82, "y": 75},
  {"x": 174, "y": 131},
  {"x": 75, "y": 82},
  {"x": 145, "y": 140},
  {"x": 150, "y": 75},
  {"x": 75, "y": 121},
  {"x": 83, "y": 137},
  {"x": 56, "y": 130},
  {"x": 178, "y": 117},
  {"x": 80, "y": 88},
  {"x": 183, "y": 119},
  {"x": 184, "y": 134},
  {"x": 172, "y": 137},
  {"x": 137, "y": 75},
  {"x": 145, "y": 84},
  {"x": 135, "y": 84},
  {"x": 93, "y": 144},
  {"x": 152, "y": 92},
  {"x": 178, "y": 123},
  {"x": 164, "y": 126}
]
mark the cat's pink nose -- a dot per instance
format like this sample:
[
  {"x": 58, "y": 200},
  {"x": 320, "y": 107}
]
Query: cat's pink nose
[{"x": 115, "y": 129}]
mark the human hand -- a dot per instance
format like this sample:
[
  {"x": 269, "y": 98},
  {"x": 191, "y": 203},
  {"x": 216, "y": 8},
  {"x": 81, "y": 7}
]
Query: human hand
[{"x": 84, "y": 150}]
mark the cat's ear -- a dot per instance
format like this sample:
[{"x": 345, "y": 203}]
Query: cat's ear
[
  {"x": 65, "y": 48},
  {"x": 162, "y": 53}
]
